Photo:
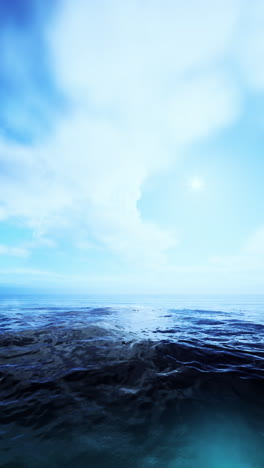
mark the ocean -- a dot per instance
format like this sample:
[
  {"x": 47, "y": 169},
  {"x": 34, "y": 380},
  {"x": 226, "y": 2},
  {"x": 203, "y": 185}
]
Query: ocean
[{"x": 131, "y": 381}]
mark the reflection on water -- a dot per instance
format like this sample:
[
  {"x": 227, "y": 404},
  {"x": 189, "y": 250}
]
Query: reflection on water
[{"x": 136, "y": 382}]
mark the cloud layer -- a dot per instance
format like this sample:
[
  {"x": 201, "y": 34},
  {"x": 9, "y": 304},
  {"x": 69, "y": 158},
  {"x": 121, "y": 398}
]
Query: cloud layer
[{"x": 143, "y": 81}]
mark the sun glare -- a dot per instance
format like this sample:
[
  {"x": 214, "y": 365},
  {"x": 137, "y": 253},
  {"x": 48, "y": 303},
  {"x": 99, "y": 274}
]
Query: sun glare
[{"x": 196, "y": 184}]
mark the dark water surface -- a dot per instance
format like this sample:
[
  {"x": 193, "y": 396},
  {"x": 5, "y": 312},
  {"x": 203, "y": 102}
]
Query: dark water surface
[{"x": 166, "y": 382}]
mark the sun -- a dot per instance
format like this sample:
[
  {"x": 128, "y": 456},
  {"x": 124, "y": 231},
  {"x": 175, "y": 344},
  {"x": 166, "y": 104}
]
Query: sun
[{"x": 196, "y": 184}]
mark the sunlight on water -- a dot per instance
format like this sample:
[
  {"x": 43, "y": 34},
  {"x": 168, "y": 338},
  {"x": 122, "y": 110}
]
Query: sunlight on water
[{"x": 223, "y": 445}]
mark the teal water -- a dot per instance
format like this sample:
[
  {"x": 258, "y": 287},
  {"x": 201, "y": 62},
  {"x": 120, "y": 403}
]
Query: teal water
[{"x": 147, "y": 381}]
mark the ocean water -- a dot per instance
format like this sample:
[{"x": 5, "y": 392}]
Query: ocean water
[{"x": 147, "y": 381}]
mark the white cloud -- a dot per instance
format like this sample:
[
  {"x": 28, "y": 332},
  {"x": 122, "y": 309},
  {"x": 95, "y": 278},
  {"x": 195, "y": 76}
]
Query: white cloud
[
  {"x": 249, "y": 258},
  {"x": 24, "y": 249},
  {"x": 13, "y": 251},
  {"x": 255, "y": 244},
  {"x": 250, "y": 47},
  {"x": 143, "y": 80},
  {"x": 239, "y": 273},
  {"x": 203, "y": 104}
]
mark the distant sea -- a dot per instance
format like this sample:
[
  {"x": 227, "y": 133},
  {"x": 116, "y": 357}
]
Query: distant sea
[{"x": 131, "y": 381}]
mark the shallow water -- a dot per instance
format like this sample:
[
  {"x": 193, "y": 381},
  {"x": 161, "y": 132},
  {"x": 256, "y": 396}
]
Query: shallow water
[{"x": 163, "y": 381}]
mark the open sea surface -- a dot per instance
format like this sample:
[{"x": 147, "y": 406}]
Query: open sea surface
[{"x": 131, "y": 381}]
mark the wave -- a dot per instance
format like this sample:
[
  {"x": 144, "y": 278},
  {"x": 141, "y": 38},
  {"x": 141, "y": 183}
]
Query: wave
[
  {"x": 103, "y": 390},
  {"x": 97, "y": 364}
]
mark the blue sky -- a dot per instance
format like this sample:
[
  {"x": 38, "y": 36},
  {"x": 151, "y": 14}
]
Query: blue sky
[{"x": 131, "y": 145}]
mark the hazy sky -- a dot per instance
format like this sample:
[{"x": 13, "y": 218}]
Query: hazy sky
[{"x": 131, "y": 145}]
